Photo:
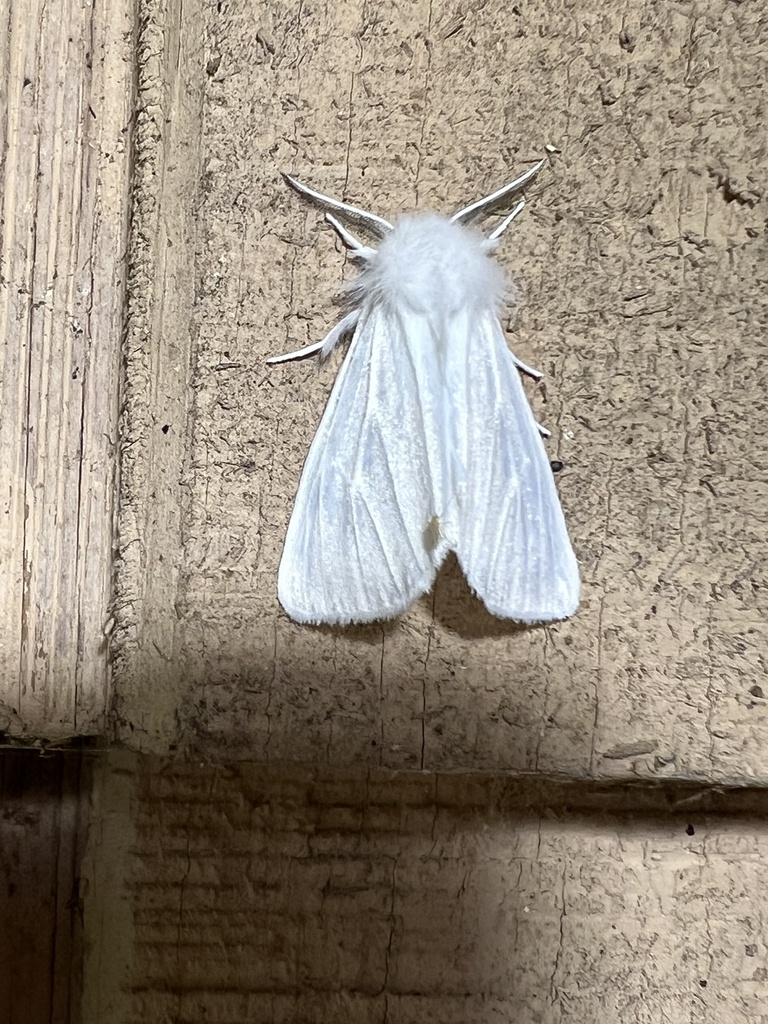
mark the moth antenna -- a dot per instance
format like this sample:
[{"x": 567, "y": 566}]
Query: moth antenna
[
  {"x": 378, "y": 225},
  {"x": 508, "y": 190},
  {"x": 355, "y": 246}
]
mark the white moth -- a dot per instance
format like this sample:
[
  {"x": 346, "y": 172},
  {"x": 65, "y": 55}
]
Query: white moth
[{"x": 428, "y": 443}]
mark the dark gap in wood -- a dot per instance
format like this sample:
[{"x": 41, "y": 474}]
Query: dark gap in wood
[{"x": 44, "y": 804}]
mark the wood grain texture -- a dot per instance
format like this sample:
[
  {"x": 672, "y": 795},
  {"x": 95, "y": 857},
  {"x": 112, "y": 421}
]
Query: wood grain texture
[
  {"x": 642, "y": 257},
  {"x": 157, "y": 389},
  {"x": 66, "y": 94}
]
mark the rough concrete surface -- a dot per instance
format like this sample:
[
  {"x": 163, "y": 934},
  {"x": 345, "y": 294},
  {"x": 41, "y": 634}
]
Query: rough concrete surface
[
  {"x": 246, "y": 896},
  {"x": 642, "y": 256}
]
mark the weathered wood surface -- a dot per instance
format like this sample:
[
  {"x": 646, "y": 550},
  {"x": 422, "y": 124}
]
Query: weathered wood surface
[
  {"x": 642, "y": 256},
  {"x": 253, "y": 897},
  {"x": 67, "y": 73}
]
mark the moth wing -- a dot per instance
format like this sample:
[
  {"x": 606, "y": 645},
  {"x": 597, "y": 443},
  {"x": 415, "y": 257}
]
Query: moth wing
[
  {"x": 512, "y": 541},
  {"x": 361, "y": 544}
]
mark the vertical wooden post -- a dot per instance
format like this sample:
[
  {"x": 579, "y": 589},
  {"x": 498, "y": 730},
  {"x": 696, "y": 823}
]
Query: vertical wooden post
[{"x": 66, "y": 128}]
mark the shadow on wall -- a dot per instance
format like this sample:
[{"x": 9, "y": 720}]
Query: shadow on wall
[
  {"x": 451, "y": 603},
  {"x": 44, "y": 808},
  {"x": 378, "y": 694},
  {"x": 241, "y": 893},
  {"x": 266, "y": 895}
]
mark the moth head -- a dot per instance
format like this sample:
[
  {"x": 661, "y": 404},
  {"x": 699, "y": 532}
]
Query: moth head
[{"x": 429, "y": 264}]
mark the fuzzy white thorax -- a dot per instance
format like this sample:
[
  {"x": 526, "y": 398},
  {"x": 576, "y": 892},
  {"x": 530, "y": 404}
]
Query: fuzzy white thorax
[{"x": 428, "y": 264}]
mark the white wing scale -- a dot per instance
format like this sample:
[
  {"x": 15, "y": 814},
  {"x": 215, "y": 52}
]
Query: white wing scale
[
  {"x": 511, "y": 539},
  {"x": 404, "y": 441},
  {"x": 358, "y": 545}
]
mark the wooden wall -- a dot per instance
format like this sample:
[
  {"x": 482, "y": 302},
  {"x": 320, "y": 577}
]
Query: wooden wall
[{"x": 305, "y": 823}]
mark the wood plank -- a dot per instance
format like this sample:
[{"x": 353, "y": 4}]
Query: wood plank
[
  {"x": 155, "y": 422},
  {"x": 258, "y": 897},
  {"x": 66, "y": 131}
]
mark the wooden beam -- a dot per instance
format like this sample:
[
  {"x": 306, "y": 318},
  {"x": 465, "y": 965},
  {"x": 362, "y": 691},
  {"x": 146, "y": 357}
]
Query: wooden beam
[{"x": 66, "y": 134}]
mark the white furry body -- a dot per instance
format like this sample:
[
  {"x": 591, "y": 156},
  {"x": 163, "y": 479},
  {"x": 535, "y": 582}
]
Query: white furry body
[
  {"x": 431, "y": 266},
  {"x": 427, "y": 445}
]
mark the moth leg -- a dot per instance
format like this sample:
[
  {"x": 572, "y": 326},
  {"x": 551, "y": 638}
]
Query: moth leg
[
  {"x": 537, "y": 375},
  {"x": 496, "y": 235},
  {"x": 377, "y": 224},
  {"x": 334, "y": 336},
  {"x": 301, "y": 353},
  {"x": 524, "y": 368},
  {"x": 356, "y": 248},
  {"x": 324, "y": 347}
]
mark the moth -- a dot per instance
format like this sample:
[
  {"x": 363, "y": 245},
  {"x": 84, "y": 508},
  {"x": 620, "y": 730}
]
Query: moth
[{"x": 428, "y": 443}]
